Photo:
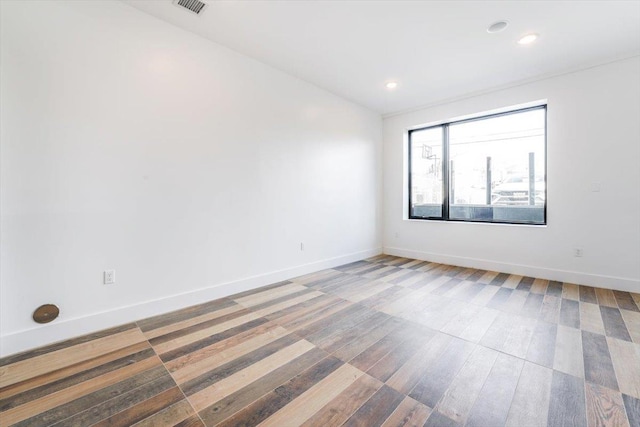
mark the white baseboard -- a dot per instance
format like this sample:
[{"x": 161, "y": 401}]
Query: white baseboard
[
  {"x": 58, "y": 331},
  {"x": 600, "y": 281}
]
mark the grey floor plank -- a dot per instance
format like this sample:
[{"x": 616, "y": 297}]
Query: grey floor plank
[
  {"x": 530, "y": 404},
  {"x": 567, "y": 406},
  {"x": 439, "y": 376},
  {"x": 568, "y": 355},
  {"x": 543, "y": 344},
  {"x": 493, "y": 403},
  {"x": 436, "y": 419},
  {"x": 598, "y": 367},
  {"x": 614, "y": 325},
  {"x": 570, "y": 313},
  {"x": 632, "y": 407}
]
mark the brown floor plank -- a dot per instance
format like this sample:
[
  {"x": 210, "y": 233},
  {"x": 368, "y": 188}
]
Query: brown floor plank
[
  {"x": 89, "y": 400},
  {"x": 122, "y": 402},
  {"x": 409, "y": 413},
  {"x": 343, "y": 406},
  {"x": 625, "y": 301},
  {"x": 377, "y": 409},
  {"x": 605, "y": 407},
  {"x": 311, "y": 401},
  {"x": 236, "y": 401},
  {"x": 606, "y": 297},
  {"x": 481, "y": 347},
  {"x": 272, "y": 402},
  {"x": 169, "y": 416},
  {"x": 143, "y": 410},
  {"x": 588, "y": 294}
]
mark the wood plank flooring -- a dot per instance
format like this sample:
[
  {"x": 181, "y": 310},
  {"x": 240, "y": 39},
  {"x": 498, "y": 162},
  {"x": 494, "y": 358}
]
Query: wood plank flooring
[{"x": 386, "y": 341}]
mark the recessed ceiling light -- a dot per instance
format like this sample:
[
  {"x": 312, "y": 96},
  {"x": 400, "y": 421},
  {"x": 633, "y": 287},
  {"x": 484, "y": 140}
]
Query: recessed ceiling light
[
  {"x": 528, "y": 39},
  {"x": 496, "y": 27},
  {"x": 391, "y": 85}
]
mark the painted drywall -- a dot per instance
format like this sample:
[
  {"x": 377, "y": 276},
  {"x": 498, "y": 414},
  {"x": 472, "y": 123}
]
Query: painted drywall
[
  {"x": 593, "y": 137},
  {"x": 193, "y": 171}
]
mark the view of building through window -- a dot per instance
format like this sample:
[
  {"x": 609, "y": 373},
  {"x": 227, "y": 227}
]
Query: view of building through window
[{"x": 490, "y": 169}]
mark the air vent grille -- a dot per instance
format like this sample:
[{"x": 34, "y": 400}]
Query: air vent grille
[{"x": 195, "y": 6}]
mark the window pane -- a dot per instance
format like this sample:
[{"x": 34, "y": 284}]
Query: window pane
[
  {"x": 497, "y": 168},
  {"x": 426, "y": 172}
]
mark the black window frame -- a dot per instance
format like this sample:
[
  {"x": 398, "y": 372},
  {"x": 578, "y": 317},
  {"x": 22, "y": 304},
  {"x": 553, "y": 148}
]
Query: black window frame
[{"x": 446, "y": 169}]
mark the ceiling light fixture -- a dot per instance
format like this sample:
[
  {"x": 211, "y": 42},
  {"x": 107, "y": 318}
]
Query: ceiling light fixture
[
  {"x": 528, "y": 39},
  {"x": 391, "y": 85},
  {"x": 496, "y": 27}
]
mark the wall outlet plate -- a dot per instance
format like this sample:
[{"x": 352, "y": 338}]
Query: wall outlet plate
[{"x": 109, "y": 277}]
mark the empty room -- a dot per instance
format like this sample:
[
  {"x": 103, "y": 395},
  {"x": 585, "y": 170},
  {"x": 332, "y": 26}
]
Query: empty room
[{"x": 319, "y": 213}]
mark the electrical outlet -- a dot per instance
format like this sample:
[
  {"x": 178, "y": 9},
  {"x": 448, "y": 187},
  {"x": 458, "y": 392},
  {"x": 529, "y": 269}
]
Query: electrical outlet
[
  {"x": 109, "y": 277},
  {"x": 301, "y": 246},
  {"x": 577, "y": 252}
]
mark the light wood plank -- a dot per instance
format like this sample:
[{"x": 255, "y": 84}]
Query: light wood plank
[
  {"x": 408, "y": 414},
  {"x": 488, "y": 277},
  {"x": 306, "y": 405},
  {"x": 190, "y": 370},
  {"x": 192, "y": 321},
  {"x": 539, "y": 286},
  {"x": 604, "y": 407},
  {"x": 530, "y": 405},
  {"x": 606, "y": 297},
  {"x": 408, "y": 375},
  {"x": 346, "y": 403},
  {"x": 590, "y": 318},
  {"x": 626, "y": 359},
  {"x": 465, "y": 388},
  {"x": 246, "y": 376},
  {"x": 570, "y": 291},
  {"x": 568, "y": 355},
  {"x": 61, "y": 397},
  {"x": 632, "y": 319},
  {"x": 203, "y": 333},
  {"x": 59, "y": 359},
  {"x": 512, "y": 281}
]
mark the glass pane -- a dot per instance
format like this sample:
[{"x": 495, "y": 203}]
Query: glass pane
[
  {"x": 426, "y": 172},
  {"x": 497, "y": 168}
]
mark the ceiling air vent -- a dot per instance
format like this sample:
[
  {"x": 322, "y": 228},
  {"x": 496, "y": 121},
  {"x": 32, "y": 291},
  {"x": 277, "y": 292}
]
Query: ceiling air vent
[{"x": 195, "y": 6}]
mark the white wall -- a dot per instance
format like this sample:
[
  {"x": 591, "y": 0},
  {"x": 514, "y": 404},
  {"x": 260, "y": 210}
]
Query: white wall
[
  {"x": 193, "y": 171},
  {"x": 593, "y": 137}
]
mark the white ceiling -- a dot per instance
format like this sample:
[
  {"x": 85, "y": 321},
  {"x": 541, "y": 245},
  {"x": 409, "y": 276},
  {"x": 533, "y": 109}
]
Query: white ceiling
[{"x": 436, "y": 50}]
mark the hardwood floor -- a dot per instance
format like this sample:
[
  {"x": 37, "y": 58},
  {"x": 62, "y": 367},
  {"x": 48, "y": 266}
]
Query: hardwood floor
[{"x": 383, "y": 342}]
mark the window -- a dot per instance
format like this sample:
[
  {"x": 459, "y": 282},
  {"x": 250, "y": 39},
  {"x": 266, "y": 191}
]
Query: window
[{"x": 486, "y": 169}]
